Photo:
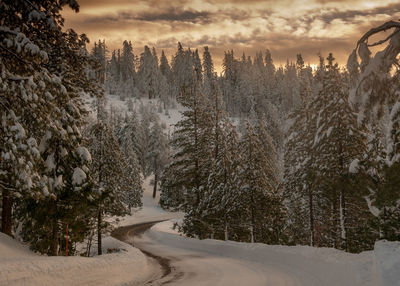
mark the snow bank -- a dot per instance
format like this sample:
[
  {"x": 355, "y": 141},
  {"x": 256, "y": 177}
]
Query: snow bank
[
  {"x": 19, "y": 266},
  {"x": 11, "y": 249},
  {"x": 387, "y": 262},
  {"x": 167, "y": 226}
]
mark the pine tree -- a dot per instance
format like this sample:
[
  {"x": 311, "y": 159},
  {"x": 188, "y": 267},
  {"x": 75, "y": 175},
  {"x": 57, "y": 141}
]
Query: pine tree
[
  {"x": 165, "y": 67},
  {"x": 338, "y": 133},
  {"x": 149, "y": 73},
  {"x": 300, "y": 172},
  {"x": 184, "y": 73},
  {"x": 58, "y": 71},
  {"x": 133, "y": 196},
  {"x": 127, "y": 72},
  {"x": 99, "y": 53},
  {"x": 188, "y": 172},
  {"x": 130, "y": 136},
  {"x": 220, "y": 207},
  {"x": 111, "y": 173},
  {"x": 112, "y": 78},
  {"x": 165, "y": 81},
  {"x": 23, "y": 106},
  {"x": 270, "y": 81},
  {"x": 209, "y": 77},
  {"x": 158, "y": 154},
  {"x": 259, "y": 190},
  {"x": 374, "y": 94}
]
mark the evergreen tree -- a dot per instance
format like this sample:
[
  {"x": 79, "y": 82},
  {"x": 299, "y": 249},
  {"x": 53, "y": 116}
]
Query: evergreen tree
[
  {"x": 58, "y": 72},
  {"x": 130, "y": 136},
  {"x": 209, "y": 77},
  {"x": 133, "y": 196},
  {"x": 300, "y": 173},
  {"x": 183, "y": 72},
  {"x": 221, "y": 208},
  {"x": 165, "y": 81},
  {"x": 149, "y": 73},
  {"x": 99, "y": 53},
  {"x": 189, "y": 169},
  {"x": 338, "y": 133},
  {"x": 158, "y": 153},
  {"x": 127, "y": 72},
  {"x": 264, "y": 209},
  {"x": 111, "y": 173},
  {"x": 374, "y": 94},
  {"x": 113, "y": 74}
]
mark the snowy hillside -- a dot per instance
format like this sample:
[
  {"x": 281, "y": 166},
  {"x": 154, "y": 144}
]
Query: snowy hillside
[{"x": 115, "y": 104}]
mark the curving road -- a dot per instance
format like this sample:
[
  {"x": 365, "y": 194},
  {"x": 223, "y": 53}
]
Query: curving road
[
  {"x": 163, "y": 272},
  {"x": 179, "y": 260}
]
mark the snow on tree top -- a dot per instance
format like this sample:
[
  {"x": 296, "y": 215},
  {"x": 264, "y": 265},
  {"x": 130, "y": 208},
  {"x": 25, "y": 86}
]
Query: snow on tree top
[
  {"x": 84, "y": 154},
  {"x": 354, "y": 166},
  {"x": 78, "y": 177}
]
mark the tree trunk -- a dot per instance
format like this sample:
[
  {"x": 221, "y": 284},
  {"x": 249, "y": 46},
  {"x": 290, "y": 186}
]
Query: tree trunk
[
  {"x": 89, "y": 244},
  {"x": 251, "y": 234},
  {"x": 155, "y": 185},
  {"x": 252, "y": 218},
  {"x": 226, "y": 235},
  {"x": 334, "y": 229},
  {"x": 342, "y": 211},
  {"x": 55, "y": 234},
  {"x": 99, "y": 249},
  {"x": 6, "y": 213},
  {"x": 310, "y": 197}
]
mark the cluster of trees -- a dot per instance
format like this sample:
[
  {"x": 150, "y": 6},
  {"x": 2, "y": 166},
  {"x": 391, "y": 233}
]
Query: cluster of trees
[
  {"x": 227, "y": 185},
  {"x": 131, "y": 76},
  {"x": 141, "y": 132},
  {"x": 48, "y": 178},
  {"x": 337, "y": 187},
  {"x": 245, "y": 82},
  {"x": 324, "y": 140},
  {"x": 313, "y": 159},
  {"x": 341, "y": 155}
]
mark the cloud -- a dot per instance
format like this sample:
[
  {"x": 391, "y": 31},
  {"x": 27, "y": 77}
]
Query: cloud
[
  {"x": 286, "y": 27},
  {"x": 173, "y": 15}
]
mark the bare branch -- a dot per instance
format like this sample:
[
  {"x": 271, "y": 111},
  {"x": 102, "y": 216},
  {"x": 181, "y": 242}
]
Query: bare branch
[
  {"x": 386, "y": 39},
  {"x": 384, "y": 27}
]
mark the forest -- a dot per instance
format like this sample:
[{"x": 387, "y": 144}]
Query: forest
[{"x": 289, "y": 155}]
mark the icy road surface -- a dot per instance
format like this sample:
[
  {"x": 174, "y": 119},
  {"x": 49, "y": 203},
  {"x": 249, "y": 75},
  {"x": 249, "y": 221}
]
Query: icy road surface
[{"x": 212, "y": 262}]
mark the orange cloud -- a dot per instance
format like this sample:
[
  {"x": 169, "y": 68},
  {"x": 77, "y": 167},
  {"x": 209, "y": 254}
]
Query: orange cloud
[{"x": 285, "y": 27}]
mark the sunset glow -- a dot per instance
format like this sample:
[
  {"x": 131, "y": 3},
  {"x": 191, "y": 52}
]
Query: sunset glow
[{"x": 284, "y": 27}]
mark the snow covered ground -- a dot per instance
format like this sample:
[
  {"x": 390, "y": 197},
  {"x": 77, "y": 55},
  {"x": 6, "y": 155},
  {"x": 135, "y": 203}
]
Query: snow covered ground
[
  {"x": 205, "y": 262},
  {"x": 114, "y": 102},
  {"x": 19, "y": 266},
  {"x": 195, "y": 262}
]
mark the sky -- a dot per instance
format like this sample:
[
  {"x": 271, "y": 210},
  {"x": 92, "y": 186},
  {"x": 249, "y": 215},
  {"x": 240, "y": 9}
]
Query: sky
[{"x": 285, "y": 27}]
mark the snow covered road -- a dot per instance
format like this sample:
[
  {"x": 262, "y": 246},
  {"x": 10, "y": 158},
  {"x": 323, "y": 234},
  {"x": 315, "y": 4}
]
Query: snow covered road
[{"x": 212, "y": 262}]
